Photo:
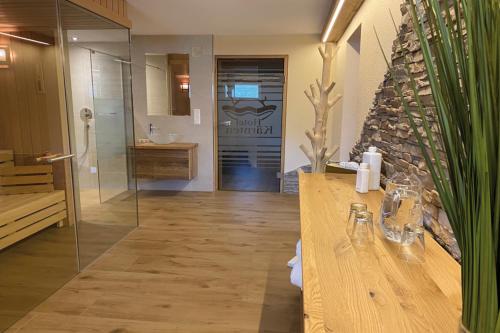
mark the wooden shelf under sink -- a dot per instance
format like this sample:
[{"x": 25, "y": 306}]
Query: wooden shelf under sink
[{"x": 175, "y": 161}]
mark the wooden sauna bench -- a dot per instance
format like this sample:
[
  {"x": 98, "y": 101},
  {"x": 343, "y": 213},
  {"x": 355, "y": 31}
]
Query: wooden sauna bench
[
  {"x": 28, "y": 201},
  {"x": 347, "y": 289}
]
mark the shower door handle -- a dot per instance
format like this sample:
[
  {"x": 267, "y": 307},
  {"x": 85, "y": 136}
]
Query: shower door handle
[{"x": 54, "y": 158}]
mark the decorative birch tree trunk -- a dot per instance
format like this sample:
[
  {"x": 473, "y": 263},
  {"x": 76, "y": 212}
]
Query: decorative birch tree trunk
[{"x": 320, "y": 154}]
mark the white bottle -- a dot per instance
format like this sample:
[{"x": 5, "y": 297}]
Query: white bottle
[
  {"x": 374, "y": 161},
  {"x": 362, "y": 178}
]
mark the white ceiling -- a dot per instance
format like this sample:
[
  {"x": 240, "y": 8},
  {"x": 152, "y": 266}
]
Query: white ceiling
[
  {"x": 228, "y": 17},
  {"x": 101, "y": 35}
]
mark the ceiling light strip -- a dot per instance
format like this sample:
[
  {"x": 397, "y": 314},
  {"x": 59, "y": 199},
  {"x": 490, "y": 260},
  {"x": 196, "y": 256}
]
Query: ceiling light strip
[
  {"x": 331, "y": 22},
  {"x": 24, "y": 38}
]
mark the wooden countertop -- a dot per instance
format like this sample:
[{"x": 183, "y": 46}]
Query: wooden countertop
[
  {"x": 168, "y": 146},
  {"x": 349, "y": 289}
]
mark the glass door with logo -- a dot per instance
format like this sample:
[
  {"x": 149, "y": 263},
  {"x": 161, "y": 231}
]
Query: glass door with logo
[{"x": 250, "y": 116}]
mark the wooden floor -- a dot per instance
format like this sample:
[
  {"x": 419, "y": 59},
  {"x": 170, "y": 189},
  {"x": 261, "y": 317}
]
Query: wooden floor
[
  {"x": 200, "y": 262},
  {"x": 103, "y": 224}
]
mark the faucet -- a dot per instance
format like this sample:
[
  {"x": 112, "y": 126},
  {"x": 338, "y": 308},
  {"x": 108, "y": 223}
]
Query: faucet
[{"x": 151, "y": 129}]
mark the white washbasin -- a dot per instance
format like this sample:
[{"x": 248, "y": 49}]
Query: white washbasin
[{"x": 165, "y": 139}]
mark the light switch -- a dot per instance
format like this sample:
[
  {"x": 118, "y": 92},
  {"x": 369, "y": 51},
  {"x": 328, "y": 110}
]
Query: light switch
[{"x": 197, "y": 116}]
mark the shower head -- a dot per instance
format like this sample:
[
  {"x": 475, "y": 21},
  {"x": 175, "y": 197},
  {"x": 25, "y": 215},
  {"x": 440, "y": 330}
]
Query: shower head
[{"x": 86, "y": 114}]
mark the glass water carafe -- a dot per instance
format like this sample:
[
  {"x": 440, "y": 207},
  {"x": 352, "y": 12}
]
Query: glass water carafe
[{"x": 402, "y": 205}]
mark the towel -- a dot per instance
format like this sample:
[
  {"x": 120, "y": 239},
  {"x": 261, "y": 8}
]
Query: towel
[
  {"x": 296, "y": 264},
  {"x": 296, "y": 275}
]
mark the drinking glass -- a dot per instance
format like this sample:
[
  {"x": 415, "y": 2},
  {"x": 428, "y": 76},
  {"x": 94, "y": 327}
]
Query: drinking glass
[
  {"x": 412, "y": 246},
  {"x": 362, "y": 233},
  {"x": 355, "y": 207}
]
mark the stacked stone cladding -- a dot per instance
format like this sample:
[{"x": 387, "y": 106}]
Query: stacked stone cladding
[{"x": 388, "y": 128}]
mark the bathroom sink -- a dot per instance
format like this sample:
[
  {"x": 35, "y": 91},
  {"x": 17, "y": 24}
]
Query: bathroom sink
[{"x": 165, "y": 139}]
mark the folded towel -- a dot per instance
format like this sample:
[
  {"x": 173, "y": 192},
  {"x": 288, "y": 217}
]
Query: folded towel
[
  {"x": 296, "y": 265},
  {"x": 293, "y": 261},
  {"x": 296, "y": 275}
]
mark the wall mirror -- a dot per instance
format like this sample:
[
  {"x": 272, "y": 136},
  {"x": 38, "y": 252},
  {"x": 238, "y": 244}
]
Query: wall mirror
[{"x": 168, "y": 86}]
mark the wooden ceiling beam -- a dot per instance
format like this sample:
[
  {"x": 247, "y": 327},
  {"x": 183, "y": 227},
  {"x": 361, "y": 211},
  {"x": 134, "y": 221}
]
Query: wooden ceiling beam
[
  {"x": 341, "y": 13},
  {"x": 114, "y": 10}
]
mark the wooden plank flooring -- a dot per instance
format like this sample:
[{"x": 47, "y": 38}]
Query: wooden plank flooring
[{"x": 199, "y": 262}]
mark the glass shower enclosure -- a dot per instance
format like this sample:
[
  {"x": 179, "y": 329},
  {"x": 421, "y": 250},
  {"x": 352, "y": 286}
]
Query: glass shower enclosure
[{"x": 66, "y": 112}]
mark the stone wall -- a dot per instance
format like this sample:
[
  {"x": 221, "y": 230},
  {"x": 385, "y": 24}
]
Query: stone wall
[
  {"x": 291, "y": 179},
  {"x": 387, "y": 127}
]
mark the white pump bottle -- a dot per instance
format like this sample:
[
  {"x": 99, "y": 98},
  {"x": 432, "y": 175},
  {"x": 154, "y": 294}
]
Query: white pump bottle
[{"x": 374, "y": 160}]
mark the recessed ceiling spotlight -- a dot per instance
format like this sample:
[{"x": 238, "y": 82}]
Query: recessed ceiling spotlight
[{"x": 74, "y": 39}]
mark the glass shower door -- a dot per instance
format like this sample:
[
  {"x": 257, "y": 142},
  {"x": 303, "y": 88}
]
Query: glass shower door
[
  {"x": 98, "y": 59},
  {"x": 110, "y": 127}
]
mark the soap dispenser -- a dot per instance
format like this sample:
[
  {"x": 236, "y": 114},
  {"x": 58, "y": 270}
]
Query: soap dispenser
[
  {"x": 362, "y": 178},
  {"x": 374, "y": 161}
]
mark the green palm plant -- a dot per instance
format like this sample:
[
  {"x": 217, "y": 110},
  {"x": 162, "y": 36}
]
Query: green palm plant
[{"x": 460, "y": 43}]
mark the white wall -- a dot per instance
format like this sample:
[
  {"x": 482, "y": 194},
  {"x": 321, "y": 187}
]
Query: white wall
[
  {"x": 304, "y": 66},
  {"x": 97, "y": 84},
  {"x": 81, "y": 89},
  {"x": 347, "y": 122},
  {"x": 200, "y": 53}
]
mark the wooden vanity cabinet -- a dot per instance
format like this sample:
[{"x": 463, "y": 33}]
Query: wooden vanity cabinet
[{"x": 175, "y": 161}]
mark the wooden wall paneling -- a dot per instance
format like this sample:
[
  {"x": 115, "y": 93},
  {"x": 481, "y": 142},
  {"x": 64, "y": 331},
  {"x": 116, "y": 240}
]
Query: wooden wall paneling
[
  {"x": 4, "y": 98},
  {"x": 13, "y": 86},
  {"x": 114, "y": 10},
  {"x": 24, "y": 109},
  {"x": 6, "y": 156},
  {"x": 34, "y": 104},
  {"x": 6, "y": 160},
  {"x": 20, "y": 112},
  {"x": 9, "y": 125},
  {"x": 45, "y": 99},
  {"x": 121, "y": 8},
  {"x": 33, "y": 116}
]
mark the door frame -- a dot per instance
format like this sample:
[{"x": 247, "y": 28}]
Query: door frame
[{"x": 216, "y": 113}]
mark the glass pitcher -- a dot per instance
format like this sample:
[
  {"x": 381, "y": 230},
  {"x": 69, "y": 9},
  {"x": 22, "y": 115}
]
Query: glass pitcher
[{"x": 402, "y": 205}]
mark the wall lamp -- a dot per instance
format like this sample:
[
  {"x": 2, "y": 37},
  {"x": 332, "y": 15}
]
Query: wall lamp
[
  {"x": 183, "y": 82},
  {"x": 184, "y": 87},
  {"x": 331, "y": 21},
  {"x": 4, "y": 56}
]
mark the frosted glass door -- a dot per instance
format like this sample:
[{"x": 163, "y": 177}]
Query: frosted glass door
[{"x": 250, "y": 111}]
